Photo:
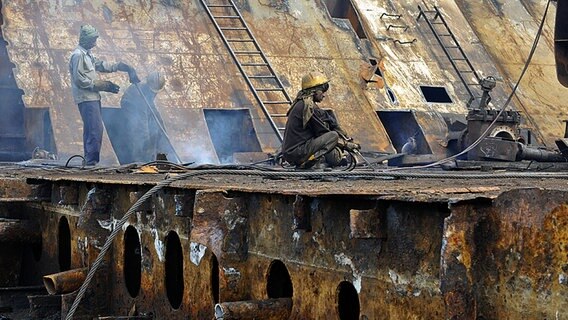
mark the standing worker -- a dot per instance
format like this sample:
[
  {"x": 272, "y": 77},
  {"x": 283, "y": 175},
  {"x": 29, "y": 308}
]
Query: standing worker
[
  {"x": 143, "y": 122},
  {"x": 86, "y": 87},
  {"x": 312, "y": 133}
]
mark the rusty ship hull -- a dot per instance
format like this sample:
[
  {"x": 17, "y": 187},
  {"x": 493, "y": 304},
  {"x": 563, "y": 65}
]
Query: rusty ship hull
[{"x": 479, "y": 242}]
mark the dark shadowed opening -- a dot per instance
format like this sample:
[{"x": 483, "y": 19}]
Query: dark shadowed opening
[
  {"x": 347, "y": 301},
  {"x": 64, "y": 245},
  {"x": 374, "y": 62},
  {"x": 435, "y": 94},
  {"x": 37, "y": 249},
  {"x": 402, "y": 125},
  {"x": 505, "y": 135},
  {"x": 215, "y": 278},
  {"x": 174, "y": 270},
  {"x": 231, "y": 131},
  {"x": 278, "y": 283},
  {"x": 132, "y": 261},
  {"x": 343, "y": 9}
]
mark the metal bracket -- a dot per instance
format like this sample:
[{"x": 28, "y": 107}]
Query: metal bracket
[
  {"x": 404, "y": 42},
  {"x": 396, "y": 16}
]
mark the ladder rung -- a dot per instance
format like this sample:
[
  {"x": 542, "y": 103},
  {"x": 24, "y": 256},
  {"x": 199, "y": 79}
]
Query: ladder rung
[
  {"x": 451, "y": 47},
  {"x": 445, "y": 35},
  {"x": 276, "y": 102},
  {"x": 219, "y": 6},
  {"x": 232, "y": 28},
  {"x": 247, "y": 52},
  {"x": 429, "y": 11},
  {"x": 226, "y": 17},
  {"x": 282, "y": 128},
  {"x": 436, "y": 22},
  {"x": 458, "y": 59},
  {"x": 268, "y": 89},
  {"x": 261, "y": 77},
  {"x": 254, "y": 64},
  {"x": 240, "y": 40},
  {"x": 278, "y": 115},
  {"x": 472, "y": 84}
]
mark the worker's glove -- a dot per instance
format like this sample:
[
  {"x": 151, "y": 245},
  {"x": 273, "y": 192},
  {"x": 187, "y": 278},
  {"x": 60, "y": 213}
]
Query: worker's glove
[
  {"x": 132, "y": 76},
  {"x": 348, "y": 145},
  {"x": 352, "y": 146},
  {"x": 103, "y": 85}
]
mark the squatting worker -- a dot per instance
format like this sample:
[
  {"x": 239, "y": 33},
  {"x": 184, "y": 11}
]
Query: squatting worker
[
  {"x": 311, "y": 132},
  {"x": 86, "y": 86},
  {"x": 144, "y": 125}
]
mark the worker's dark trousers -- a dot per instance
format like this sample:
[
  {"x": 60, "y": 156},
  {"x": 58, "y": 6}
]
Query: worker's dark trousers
[
  {"x": 92, "y": 130},
  {"x": 322, "y": 145}
]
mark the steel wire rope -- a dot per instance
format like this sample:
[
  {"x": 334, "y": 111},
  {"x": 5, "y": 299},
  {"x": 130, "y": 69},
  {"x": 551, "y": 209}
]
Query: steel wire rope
[
  {"x": 367, "y": 174},
  {"x": 373, "y": 174},
  {"x": 509, "y": 98}
]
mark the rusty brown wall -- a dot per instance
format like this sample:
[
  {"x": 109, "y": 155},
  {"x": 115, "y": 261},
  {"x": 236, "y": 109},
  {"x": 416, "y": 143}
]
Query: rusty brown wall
[
  {"x": 521, "y": 256},
  {"x": 178, "y": 38},
  {"x": 540, "y": 97},
  {"x": 501, "y": 257}
]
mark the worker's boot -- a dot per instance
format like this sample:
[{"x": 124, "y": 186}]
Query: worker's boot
[{"x": 313, "y": 163}]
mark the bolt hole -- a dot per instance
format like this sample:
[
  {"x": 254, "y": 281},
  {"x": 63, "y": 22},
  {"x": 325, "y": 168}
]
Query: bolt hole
[
  {"x": 278, "y": 284},
  {"x": 37, "y": 249},
  {"x": 174, "y": 270},
  {"x": 215, "y": 279},
  {"x": 64, "y": 245},
  {"x": 347, "y": 301},
  {"x": 132, "y": 261}
]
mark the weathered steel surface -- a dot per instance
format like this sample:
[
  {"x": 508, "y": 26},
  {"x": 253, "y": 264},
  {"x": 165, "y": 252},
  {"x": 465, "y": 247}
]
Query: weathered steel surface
[
  {"x": 520, "y": 256},
  {"x": 178, "y": 39},
  {"x": 19, "y": 231},
  {"x": 266, "y": 309},
  {"x": 541, "y": 97}
]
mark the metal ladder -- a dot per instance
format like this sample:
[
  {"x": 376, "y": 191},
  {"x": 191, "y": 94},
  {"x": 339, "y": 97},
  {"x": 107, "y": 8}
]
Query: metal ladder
[
  {"x": 459, "y": 60},
  {"x": 251, "y": 61}
]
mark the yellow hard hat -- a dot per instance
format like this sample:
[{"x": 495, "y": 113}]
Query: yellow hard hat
[{"x": 313, "y": 79}]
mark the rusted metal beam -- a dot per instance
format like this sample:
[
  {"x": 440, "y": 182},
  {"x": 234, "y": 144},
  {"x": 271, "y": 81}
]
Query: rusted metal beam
[
  {"x": 458, "y": 251},
  {"x": 367, "y": 224},
  {"x": 19, "y": 231},
  {"x": 272, "y": 309},
  {"x": 221, "y": 224},
  {"x": 302, "y": 213},
  {"x": 65, "y": 282}
]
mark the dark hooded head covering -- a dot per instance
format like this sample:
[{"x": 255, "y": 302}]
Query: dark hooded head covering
[{"x": 88, "y": 36}]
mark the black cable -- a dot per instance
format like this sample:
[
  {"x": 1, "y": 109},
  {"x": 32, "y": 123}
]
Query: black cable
[{"x": 76, "y": 156}]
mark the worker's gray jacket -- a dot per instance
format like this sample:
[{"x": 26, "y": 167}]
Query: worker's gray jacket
[{"x": 83, "y": 67}]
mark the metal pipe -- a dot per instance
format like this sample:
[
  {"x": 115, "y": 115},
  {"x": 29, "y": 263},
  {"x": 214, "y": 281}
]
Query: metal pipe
[
  {"x": 273, "y": 309},
  {"x": 65, "y": 282},
  {"x": 528, "y": 153}
]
